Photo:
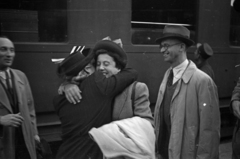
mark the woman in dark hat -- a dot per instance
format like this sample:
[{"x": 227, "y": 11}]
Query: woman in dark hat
[
  {"x": 94, "y": 110},
  {"x": 111, "y": 59}
]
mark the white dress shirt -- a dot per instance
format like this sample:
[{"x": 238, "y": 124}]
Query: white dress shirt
[{"x": 179, "y": 70}]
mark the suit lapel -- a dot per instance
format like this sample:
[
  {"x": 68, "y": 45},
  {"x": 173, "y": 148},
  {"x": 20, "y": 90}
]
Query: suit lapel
[
  {"x": 185, "y": 78},
  {"x": 162, "y": 88},
  {"x": 4, "y": 99},
  {"x": 19, "y": 84},
  {"x": 122, "y": 98},
  {"x": 179, "y": 83}
]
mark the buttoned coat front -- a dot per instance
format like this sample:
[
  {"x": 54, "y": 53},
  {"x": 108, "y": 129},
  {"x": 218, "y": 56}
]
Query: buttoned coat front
[
  {"x": 194, "y": 115},
  {"x": 27, "y": 111},
  {"x": 123, "y": 108}
]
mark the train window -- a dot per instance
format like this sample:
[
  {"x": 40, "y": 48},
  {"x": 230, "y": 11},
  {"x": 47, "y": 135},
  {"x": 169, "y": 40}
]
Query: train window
[
  {"x": 149, "y": 19},
  {"x": 34, "y": 20},
  {"x": 235, "y": 26}
]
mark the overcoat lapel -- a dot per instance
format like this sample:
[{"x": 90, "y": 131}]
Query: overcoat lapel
[
  {"x": 185, "y": 78},
  {"x": 118, "y": 107},
  {"x": 179, "y": 83},
  {"x": 19, "y": 86},
  {"x": 163, "y": 88},
  {"x": 4, "y": 99}
]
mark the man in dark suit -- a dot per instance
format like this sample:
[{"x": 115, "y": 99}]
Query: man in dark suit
[
  {"x": 17, "y": 113},
  {"x": 94, "y": 110},
  {"x": 201, "y": 56}
]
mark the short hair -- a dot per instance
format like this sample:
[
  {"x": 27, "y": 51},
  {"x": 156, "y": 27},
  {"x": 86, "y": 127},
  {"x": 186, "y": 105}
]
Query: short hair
[
  {"x": 3, "y": 36},
  {"x": 115, "y": 57}
]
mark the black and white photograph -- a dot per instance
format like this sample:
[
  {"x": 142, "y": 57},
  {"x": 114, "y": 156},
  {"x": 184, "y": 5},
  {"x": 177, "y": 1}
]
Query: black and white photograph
[{"x": 120, "y": 79}]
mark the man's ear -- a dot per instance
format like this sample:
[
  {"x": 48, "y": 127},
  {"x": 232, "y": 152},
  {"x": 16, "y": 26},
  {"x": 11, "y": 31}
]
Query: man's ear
[{"x": 183, "y": 47}]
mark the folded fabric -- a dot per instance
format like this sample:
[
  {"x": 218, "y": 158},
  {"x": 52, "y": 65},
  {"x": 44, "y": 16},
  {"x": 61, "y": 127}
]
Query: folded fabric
[{"x": 132, "y": 137}]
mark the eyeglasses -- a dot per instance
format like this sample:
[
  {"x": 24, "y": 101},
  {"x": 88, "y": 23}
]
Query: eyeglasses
[{"x": 164, "y": 47}]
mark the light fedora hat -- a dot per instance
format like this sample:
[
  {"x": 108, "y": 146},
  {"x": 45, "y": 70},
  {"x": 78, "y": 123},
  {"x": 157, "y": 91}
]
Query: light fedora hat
[{"x": 177, "y": 32}]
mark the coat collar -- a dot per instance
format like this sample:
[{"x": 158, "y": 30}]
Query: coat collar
[
  {"x": 16, "y": 77},
  {"x": 4, "y": 99},
  {"x": 191, "y": 68},
  {"x": 121, "y": 100},
  {"x": 187, "y": 74},
  {"x": 18, "y": 83}
]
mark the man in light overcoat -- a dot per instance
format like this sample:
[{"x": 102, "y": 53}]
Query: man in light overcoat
[
  {"x": 187, "y": 116},
  {"x": 18, "y": 130}
]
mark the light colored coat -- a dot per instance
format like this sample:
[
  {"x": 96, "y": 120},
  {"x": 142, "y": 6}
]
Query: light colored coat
[
  {"x": 194, "y": 115},
  {"x": 128, "y": 138},
  {"x": 123, "y": 108},
  {"x": 27, "y": 110}
]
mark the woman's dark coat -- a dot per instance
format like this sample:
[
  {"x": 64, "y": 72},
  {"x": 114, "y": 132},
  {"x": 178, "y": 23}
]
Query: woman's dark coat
[{"x": 94, "y": 110}]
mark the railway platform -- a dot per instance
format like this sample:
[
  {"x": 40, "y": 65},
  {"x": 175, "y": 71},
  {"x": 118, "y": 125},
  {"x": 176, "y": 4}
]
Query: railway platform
[{"x": 225, "y": 149}]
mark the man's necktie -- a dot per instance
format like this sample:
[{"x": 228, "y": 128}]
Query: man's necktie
[
  {"x": 9, "y": 88},
  {"x": 170, "y": 78}
]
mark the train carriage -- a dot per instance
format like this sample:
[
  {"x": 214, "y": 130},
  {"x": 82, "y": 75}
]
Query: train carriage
[{"x": 46, "y": 29}]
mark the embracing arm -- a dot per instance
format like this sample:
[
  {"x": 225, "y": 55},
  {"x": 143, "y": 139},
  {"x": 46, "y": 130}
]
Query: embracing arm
[
  {"x": 112, "y": 85},
  {"x": 72, "y": 92},
  {"x": 209, "y": 120},
  {"x": 117, "y": 83}
]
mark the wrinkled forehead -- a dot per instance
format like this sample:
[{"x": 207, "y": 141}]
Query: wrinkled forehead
[{"x": 5, "y": 42}]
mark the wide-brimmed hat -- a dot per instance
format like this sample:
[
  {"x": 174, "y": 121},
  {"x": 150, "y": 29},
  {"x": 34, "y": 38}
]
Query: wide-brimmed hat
[
  {"x": 113, "y": 48},
  {"x": 176, "y": 32},
  {"x": 86, "y": 52},
  {"x": 204, "y": 50},
  {"x": 74, "y": 63}
]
